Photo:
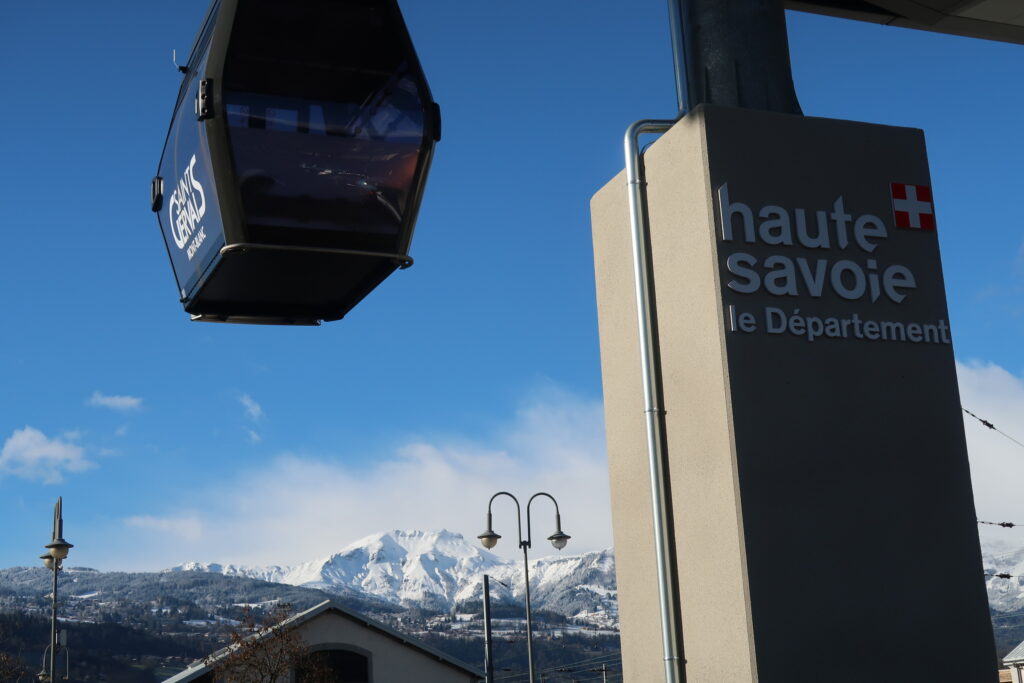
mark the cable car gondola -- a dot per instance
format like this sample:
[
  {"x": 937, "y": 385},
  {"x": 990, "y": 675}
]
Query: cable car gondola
[{"x": 296, "y": 159}]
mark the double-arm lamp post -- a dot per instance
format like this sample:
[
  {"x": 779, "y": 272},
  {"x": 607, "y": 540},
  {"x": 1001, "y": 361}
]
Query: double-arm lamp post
[
  {"x": 489, "y": 539},
  {"x": 57, "y": 550}
]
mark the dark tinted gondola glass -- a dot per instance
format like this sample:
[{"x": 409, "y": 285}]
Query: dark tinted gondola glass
[
  {"x": 327, "y": 127},
  {"x": 335, "y": 146}
]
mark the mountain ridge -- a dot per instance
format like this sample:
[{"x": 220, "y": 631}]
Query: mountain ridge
[{"x": 440, "y": 570}]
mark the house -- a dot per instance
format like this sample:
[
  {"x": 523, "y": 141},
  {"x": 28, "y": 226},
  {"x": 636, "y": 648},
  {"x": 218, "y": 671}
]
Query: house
[
  {"x": 357, "y": 649},
  {"x": 1014, "y": 660}
]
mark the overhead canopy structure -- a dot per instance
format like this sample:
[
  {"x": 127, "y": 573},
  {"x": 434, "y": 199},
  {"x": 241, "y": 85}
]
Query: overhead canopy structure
[
  {"x": 991, "y": 19},
  {"x": 293, "y": 170}
]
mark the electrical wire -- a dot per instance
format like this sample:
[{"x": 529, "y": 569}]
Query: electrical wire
[
  {"x": 992, "y": 426},
  {"x": 613, "y": 656}
]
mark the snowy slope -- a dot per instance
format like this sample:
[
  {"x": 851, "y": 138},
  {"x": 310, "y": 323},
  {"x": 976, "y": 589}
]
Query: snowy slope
[
  {"x": 1005, "y": 595},
  {"x": 437, "y": 570}
]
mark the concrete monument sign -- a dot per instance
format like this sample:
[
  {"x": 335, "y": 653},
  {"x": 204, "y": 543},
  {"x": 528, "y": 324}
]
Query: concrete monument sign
[{"x": 824, "y": 524}]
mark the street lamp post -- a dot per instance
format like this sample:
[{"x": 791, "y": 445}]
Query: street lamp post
[
  {"x": 58, "y": 550},
  {"x": 488, "y": 644},
  {"x": 489, "y": 539}
]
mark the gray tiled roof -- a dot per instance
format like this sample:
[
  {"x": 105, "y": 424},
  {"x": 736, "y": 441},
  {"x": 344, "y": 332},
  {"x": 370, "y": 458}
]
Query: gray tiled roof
[{"x": 1015, "y": 655}]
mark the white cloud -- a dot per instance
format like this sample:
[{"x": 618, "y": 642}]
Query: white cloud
[
  {"x": 123, "y": 404},
  {"x": 30, "y": 454},
  {"x": 298, "y": 507},
  {"x": 997, "y": 463},
  {"x": 189, "y": 528},
  {"x": 121, "y": 431},
  {"x": 252, "y": 409},
  {"x": 254, "y": 436}
]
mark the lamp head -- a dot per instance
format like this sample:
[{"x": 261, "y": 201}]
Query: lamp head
[
  {"x": 59, "y": 548},
  {"x": 559, "y": 539},
  {"x": 47, "y": 560},
  {"x": 489, "y": 539}
]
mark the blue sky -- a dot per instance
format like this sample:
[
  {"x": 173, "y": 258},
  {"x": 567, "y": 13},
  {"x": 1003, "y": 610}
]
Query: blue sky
[{"x": 474, "y": 371}]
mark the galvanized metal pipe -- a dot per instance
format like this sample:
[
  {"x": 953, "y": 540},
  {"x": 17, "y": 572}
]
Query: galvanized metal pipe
[
  {"x": 724, "y": 53},
  {"x": 653, "y": 410},
  {"x": 668, "y": 599}
]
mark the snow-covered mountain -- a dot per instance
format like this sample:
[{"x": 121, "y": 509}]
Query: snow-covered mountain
[
  {"x": 439, "y": 570},
  {"x": 1005, "y": 595}
]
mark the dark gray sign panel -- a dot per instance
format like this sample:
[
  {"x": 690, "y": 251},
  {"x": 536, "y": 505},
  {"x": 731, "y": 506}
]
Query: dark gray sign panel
[
  {"x": 858, "y": 514},
  {"x": 821, "y": 513}
]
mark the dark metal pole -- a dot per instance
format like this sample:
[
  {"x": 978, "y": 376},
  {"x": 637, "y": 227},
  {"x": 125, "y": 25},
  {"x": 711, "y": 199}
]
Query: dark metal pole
[
  {"x": 57, "y": 550},
  {"x": 488, "y": 643},
  {"x": 558, "y": 539},
  {"x": 675, "y": 26},
  {"x": 736, "y": 53},
  {"x": 58, "y": 532},
  {"x": 53, "y": 623},
  {"x": 529, "y": 614}
]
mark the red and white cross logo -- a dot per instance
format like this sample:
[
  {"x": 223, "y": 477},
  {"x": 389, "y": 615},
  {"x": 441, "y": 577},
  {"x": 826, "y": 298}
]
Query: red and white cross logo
[{"x": 912, "y": 206}]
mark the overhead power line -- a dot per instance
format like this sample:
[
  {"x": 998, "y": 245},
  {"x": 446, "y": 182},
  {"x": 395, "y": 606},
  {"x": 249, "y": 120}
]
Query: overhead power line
[
  {"x": 992, "y": 426},
  {"x": 612, "y": 659}
]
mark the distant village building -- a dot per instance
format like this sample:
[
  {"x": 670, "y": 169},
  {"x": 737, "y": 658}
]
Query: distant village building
[
  {"x": 1014, "y": 660},
  {"x": 359, "y": 649}
]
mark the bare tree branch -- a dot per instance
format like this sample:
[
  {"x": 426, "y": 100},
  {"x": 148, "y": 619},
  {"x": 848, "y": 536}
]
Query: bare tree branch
[
  {"x": 11, "y": 668},
  {"x": 261, "y": 651}
]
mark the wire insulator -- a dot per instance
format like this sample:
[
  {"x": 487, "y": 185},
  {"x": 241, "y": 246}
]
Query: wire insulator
[{"x": 1005, "y": 525}]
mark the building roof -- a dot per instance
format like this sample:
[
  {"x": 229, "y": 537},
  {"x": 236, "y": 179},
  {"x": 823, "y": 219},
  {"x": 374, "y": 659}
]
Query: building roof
[
  {"x": 991, "y": 19},
  {"x": 201, "y": 667},
  {"x": 1015, "y": 655}
]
